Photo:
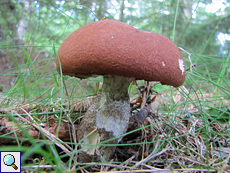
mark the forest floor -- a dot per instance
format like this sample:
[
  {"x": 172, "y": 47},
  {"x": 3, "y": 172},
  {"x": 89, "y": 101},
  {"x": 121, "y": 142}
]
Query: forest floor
[{"x": 192, "y": 139}]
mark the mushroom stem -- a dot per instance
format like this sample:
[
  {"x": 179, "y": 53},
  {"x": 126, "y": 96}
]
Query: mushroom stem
[{"x": 109, "y": 115}]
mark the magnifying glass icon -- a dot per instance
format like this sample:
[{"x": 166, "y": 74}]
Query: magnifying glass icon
[{"x": 9, "y": 160}]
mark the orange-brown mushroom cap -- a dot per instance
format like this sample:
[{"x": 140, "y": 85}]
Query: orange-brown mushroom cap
[{"x": 112, "y": 47}]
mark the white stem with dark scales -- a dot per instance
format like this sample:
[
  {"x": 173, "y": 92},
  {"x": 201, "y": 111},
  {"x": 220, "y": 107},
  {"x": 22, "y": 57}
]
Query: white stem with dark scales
[{"x": 109, "y": 115}]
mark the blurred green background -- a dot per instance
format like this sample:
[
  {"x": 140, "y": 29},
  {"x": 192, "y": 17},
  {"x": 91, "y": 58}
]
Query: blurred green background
[{"x": 31, "y": 32}]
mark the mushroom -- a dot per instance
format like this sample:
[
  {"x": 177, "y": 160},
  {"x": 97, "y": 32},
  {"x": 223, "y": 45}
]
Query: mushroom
[{"x": 121, "y": 53}]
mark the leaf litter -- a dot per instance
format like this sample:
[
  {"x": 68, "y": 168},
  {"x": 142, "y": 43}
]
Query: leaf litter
[{"x": 168, "y": 140}]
